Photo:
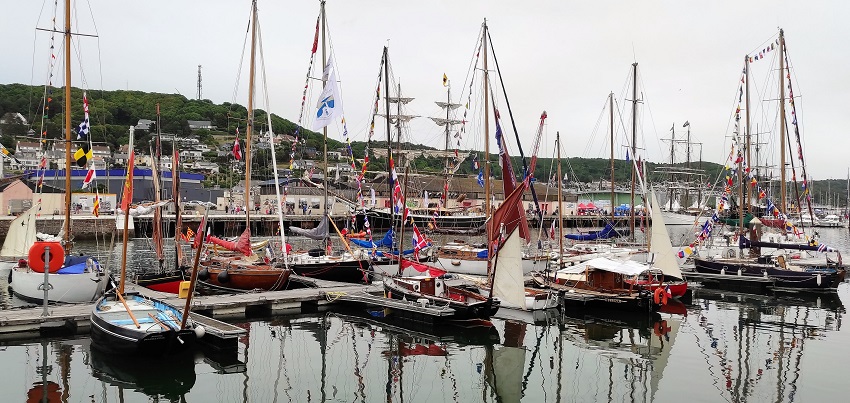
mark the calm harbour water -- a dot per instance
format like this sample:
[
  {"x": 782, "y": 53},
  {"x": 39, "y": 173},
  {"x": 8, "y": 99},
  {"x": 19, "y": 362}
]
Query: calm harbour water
[{"x": 721, "y": 347}]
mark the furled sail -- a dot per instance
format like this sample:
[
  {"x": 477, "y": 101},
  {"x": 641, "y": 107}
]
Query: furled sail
[{"x": 243, "y": 244}]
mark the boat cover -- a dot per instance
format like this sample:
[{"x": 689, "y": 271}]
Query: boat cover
[
  {"x": 386, "y": 241},
  {"x": 626, "y": 267},
  {"x": 318, "y": 233},
  {"x": 605, "y": 233}
]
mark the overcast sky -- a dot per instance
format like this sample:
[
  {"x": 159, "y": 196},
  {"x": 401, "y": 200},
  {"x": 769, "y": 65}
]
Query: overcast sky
[{"x": 561, "y": 56}]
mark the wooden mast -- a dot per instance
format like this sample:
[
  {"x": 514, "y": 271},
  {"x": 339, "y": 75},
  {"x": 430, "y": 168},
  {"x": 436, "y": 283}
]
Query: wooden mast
[
  {"x": 68, "y": 171},
  {"x": 250, "y": 119},
  {"x": 389, "y": 134},
  {"x": 561, "y": 199},
  {"x": 401, "y": 226},
  {"x": 784, "y": 207},
  {"x": 128, "y": 183},
  {"x": 611, "y": 122},
  {"x": 747, "y": 124},
  {"x": 486, "y": 80},
  {"x": 634, "y": 149},
  {"x": 325, "y": 128}
]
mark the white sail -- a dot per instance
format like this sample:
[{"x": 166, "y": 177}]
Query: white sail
[
  {"x": 508, "y": 282},
  {"x": 660, "y": 245},
  {"x": 21, "y": 235}
]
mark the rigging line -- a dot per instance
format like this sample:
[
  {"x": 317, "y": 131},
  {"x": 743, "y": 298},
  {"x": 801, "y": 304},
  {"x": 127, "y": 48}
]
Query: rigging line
[
  {"x": 241, "y": 61},
  {"x": 651, "y": 118},
  {"x": 596, "y": 129}
]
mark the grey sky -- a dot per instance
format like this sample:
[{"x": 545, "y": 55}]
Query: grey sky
[{"x": 561, "y": 56}]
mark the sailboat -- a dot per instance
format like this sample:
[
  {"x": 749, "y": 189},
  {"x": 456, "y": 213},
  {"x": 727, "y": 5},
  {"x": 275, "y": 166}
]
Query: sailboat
[
  {"x": 245, "y": 271},
  {"x": 48, "y": 273},
  {"x": 161, "y": 278},
  {"x": 822, "y": 273},
  {"x": 133, "y": 324},
  {"x": 462, "y": 257},
  {"x": 684, "y": 184},
  {"x": 661, "y": 256}
]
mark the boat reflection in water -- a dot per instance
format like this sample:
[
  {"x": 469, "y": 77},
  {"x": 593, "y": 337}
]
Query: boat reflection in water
[
  {"x": 170, "y": 378},
  {"x": 753, "y": 345},
  {"x": 726, "y": 347}
]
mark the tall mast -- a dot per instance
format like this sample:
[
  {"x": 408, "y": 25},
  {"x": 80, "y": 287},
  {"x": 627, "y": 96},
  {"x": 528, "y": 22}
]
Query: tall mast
[
  {"x": 783, "y": 204},
  {"x": 389, "y": 134},
  {"x": 486, "y": 128},
  {"x": 672, "y": 166},
  {"x": 611, "y": 122},
  {"x": 747, "y": 123},
  {"x": 175, "y": 190},
  {"x": 248, "y": 204},
  {"x": 127, "y": 203},
  {"x": 67, "y": 235},
  {"x": 634, "y": 148},
  {"x": 561, "y": 197},
  {"x": 325, "y": 129}
]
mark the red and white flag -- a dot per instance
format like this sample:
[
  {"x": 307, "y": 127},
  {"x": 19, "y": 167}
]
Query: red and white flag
[
  {"x": 552, "y": 230},
  {"x": 419, "y": 241},
  {"x": 90, "y": 176},
  {"x": 237, "y": 149}
]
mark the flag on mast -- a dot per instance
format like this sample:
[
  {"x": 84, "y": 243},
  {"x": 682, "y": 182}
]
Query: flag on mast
[
  {"x": 237, "y": 149},
  {"x": 445, "y": 80},
  {"x": 90, "y": 176},
  {"x": 330, "y": 101},
  {"x": 95, "y": 208}
]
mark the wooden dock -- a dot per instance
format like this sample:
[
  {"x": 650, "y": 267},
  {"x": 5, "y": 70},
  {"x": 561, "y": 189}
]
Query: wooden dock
[{"x": 210, "y": 310}]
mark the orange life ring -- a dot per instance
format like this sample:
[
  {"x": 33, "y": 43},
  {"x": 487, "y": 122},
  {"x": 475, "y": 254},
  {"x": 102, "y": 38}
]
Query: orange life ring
[
  {"x": 660, "y": 296},
  {"x": 36, "y": 256}
]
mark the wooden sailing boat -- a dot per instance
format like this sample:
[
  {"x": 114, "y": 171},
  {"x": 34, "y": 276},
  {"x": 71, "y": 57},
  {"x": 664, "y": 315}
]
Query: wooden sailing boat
[
  {"x": 432, "y": 288},
  {"x": 132, "y": 324},
  {"x": 69, "y": 279},
  {"x": 246, "y": 272},
  {"x": 823, "y": 274},
  {"x": 162, "y": 279}
]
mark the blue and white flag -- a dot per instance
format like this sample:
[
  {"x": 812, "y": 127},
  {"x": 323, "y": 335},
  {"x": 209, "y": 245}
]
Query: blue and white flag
[
  {"x": 481, "y": 178},
  {"x": 329, "y": 107}
]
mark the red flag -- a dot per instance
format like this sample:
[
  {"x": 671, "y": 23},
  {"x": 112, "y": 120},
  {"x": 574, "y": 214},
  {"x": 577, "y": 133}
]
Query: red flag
[
  {"x": 197, "y": 241},
  {"x": 127, "y": 197},
  {"x": 237, "y": 150}
]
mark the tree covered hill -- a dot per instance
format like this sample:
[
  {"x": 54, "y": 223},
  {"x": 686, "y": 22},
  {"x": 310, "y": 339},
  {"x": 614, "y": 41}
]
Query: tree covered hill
[{"x": 113, "y": 112}]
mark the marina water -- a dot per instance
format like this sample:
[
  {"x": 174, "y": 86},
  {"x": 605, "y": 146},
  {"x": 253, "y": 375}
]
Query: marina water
[{"x": 723, "y": 346}]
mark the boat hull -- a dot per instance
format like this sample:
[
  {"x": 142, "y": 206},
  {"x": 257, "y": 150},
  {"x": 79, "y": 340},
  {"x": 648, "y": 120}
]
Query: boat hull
[
  {"x": 345, "y": 271},
  {"x": 478, "y": 309},
  {"x": 266, "y": 278},
  {"x": 149, "y": 340},
  {"x": 815, "y": 278},
  {"x": 67, "y": 288},
  {"x": 472, "y": 222},
  {"x": 168, "y": 282},
  {"x": 477, "y": 267}
]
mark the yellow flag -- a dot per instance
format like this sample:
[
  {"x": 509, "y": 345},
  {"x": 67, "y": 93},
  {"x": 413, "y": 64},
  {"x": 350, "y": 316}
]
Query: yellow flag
[{"x": 445, "y": 80}]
